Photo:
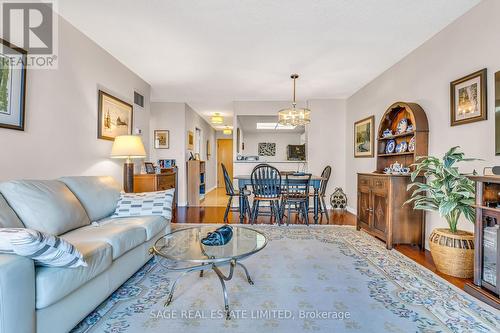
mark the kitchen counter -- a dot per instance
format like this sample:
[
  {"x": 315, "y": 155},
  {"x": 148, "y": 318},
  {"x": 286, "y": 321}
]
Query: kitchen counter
[{"x": 264, "y": 161}]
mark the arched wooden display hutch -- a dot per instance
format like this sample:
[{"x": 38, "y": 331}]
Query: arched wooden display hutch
[{"x": 381, "y": 196}]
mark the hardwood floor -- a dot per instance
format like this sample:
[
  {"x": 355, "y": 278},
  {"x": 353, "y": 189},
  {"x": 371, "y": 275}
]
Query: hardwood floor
[{"x": 216, "y": 214}]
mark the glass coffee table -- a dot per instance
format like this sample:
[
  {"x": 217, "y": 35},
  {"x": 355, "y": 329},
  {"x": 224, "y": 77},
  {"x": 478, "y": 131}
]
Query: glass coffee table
[{"x": 182, "y": 251}]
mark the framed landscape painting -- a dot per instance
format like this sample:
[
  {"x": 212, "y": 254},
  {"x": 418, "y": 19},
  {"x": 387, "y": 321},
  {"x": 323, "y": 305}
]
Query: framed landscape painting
[
  {"x": 12, "y": 86},
  {"x": 364, "y": 138},
  {"x": 190, "y": 140},
  {"x": 468, "y": 99},
  {"x": 114, "y": 117},
  {"x": 162, "y": 139}
]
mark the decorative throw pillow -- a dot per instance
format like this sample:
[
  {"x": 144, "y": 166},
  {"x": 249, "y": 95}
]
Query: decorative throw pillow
[
  {"x": 145, "y": 204},
  {"x": 44, "y": 249}
]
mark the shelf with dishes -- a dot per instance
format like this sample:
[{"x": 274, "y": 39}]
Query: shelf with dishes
[
  {"x": 396, "y": 154},
  {"x": 398, "y": 135},
  {"x": 402, "y": 136}
]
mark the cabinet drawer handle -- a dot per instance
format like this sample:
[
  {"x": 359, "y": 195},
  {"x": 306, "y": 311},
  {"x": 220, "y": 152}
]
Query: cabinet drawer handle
[{"x": 378, "y": 183}]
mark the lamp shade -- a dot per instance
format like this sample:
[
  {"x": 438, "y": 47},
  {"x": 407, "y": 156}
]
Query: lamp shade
[{"x": 128, "y": 146}]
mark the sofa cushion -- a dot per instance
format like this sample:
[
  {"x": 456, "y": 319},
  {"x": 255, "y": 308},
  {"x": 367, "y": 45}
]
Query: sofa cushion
[
  {"x": 45, "y": 205},
  {"x": 151, "y": 224},
  {"x": 121, "y": 237},
  {"x": 98, "y": 195},
  {"x": 52, "y": 284},
  {"x": 44, "y": 249},
  {"x": 8, "y": 219},
  {"x": 145, "y": 204}
]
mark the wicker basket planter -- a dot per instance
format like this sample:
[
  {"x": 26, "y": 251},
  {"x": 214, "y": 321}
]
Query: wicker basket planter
[{"x": 453, "y": 253}]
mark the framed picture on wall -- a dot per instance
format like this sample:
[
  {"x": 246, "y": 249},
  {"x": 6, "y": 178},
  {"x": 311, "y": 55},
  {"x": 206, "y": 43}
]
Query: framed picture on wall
[
  {"x": 114, "y": 117},
  {"x": 162, "y": 139},
  {"x": 364, "y": 138},
  {"x": 190, "y": 140},
  {"x": 238, "y": 140},
  {"x": 209, "y": 150},
  {"x": 468, "y": 99},
  {"x": 12, "y": 85}
]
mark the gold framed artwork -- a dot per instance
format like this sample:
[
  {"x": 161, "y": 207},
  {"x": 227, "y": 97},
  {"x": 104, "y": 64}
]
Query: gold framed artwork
[
  {"x": 190, "y": 140},
  {"x": 162, "y": 139},
  {"x": 364, "y": 137},
  {"x": 468, "y": 99},
  {"x": 115, "y": 117},
  {"x": 13, "y": 62},
  {"x": 209, "y": 150}
]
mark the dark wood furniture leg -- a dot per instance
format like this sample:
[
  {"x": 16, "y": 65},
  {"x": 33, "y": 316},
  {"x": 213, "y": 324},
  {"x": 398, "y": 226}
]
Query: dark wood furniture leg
[
  {"x": 242, "y": 204},
  {"x": 316, "y": 204}
]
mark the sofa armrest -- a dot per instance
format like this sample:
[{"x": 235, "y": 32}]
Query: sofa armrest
[{"x": 17, "y": 294}]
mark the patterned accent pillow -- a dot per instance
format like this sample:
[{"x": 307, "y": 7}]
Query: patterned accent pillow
[
  {"x": 145, "y": 204},
  {"x": 46, "y": 250}
]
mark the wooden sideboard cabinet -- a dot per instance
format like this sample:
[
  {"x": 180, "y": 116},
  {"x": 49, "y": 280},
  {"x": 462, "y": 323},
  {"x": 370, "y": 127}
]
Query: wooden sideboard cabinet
[
  {"x": 382, "y": 213},
  {"x": 156, "y": 182}
]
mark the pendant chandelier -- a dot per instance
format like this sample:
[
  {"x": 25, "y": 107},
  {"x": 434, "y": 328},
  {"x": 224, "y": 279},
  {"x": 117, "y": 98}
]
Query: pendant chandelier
[{"x": 294, "y": 116}]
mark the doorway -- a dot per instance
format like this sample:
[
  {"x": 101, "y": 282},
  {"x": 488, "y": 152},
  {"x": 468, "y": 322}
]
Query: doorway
[{"x": 224, "y": 155}]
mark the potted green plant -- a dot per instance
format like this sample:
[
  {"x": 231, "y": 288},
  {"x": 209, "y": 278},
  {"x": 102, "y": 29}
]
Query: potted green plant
[{"x": 451, "y": 194}]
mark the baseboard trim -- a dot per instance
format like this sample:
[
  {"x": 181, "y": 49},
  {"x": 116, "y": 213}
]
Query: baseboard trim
[{"x": 352, "y": 210}]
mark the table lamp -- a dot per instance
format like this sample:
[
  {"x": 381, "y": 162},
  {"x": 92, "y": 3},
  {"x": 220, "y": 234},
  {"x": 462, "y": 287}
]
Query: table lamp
[{"x": 129, "y": 147}]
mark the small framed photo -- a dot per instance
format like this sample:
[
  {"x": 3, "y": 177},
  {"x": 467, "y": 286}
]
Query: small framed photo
[
  {"x": 150, "y": 168},
  {"x": 468, "y": 99},
  {"x": 364, "y": 137},
  {"x": 162, "y": 139},
  {"x": 190, "y": 140}
]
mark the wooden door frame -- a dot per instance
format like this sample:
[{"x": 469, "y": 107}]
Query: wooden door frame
[{"x": 218, "y": 171}]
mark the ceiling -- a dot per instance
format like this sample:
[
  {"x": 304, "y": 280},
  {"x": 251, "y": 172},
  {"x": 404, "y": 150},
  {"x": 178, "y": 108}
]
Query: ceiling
[
  {"x": 210, "y": 53},
  {"x": 249, "y": 125}
]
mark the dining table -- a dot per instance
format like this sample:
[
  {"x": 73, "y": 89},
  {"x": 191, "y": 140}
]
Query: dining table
[{"x": 245, "y": 181}]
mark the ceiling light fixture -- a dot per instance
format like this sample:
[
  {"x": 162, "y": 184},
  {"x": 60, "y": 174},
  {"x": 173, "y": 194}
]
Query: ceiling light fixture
[
  {"x": 217, "y": 119},
  {"x": 294, "y": 116},
  {"x": 227, "y": 131}
]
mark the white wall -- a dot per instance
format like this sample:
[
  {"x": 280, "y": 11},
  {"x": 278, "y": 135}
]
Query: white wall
[
  {"x": 467, "y": 45},
  {"x": 282, "y": 140},
  {"x": 171, "y": 117},
  {"x": 60, "y": 136},
  {"x": 326, "y": 141}
]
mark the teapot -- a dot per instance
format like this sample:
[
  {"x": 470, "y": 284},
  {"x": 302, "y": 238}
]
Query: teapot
[{"x": 396, "y": 167}]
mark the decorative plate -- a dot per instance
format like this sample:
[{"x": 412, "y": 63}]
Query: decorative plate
[
  {"x": 402, "y": 125},
  {"x": 390, "y": 146},
  {"x": 401, "y": 147},
  {"x": 411, "y": 145}
]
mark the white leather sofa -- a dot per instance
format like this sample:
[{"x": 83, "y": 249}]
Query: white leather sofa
[{"x": 52, "y": 300}]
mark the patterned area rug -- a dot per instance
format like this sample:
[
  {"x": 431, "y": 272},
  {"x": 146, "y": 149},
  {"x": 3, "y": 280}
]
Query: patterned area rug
[{"x": 316, "y": 278}]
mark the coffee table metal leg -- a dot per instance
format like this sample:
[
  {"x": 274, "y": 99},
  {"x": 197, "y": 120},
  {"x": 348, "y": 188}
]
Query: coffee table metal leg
[
  {"x": 223, "y": 278},
  {"x": 224, "y": 291},
  {"x": 172, "y": 289},
  {"x": 246, "y": 273}
]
